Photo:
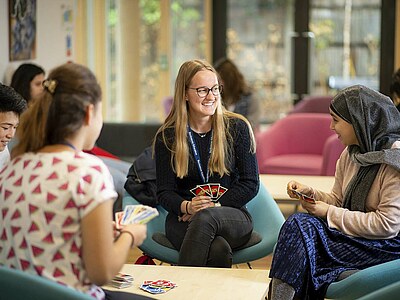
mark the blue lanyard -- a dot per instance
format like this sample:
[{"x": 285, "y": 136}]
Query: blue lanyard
[{"x": 197, "y": 154}]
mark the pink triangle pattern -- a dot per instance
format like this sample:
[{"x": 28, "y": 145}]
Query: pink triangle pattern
[
  {"x": 11, "y": 253},
  {"x": 34, "y": 227},
  {"x": 15, "y": 229},
  {"x": 4, "y": 212},
  {"x": 57, "y": 256},
  {"x": 63, "y": 187},
  {"x": 67, "y": 236},
  {"x": 49, "y": 215},
  {"x": 16, "y": 214},
  {"x": 51, "y": 197},
  {"x": 24, "y": 244},
  {"x": 56, "y": 161},
  {"x": 58, "y": 273},
  {"x": 39, "y": 270},
  {"x": 32, "y": 178},
  {"x": 71, "y": 168},
  {"x": 38, "y": 165},
  {"x": 52, "y": 176},
  {"x": 21, "y": 198},
  {"x": 70, "y": 204},
  {"x": 68, "y": 221},
  {"x": 88, "y": 178},
  {"x": 24, "y": 264},
  {"x": 7, "y": 194},
  {"x": 37, "y": 189},
  {"x": 37, "y": 251},
  {"x": 3, "y": 236},
  {"x": 26, "y": 163},
  {"x": 18, "y": 182},
  {"x": 12, "y": 174},
  {"x": 48, "y": 239},
  {"x": 32, "y": 208}
]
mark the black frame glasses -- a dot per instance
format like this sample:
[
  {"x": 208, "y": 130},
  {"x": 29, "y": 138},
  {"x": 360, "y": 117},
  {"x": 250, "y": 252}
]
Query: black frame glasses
[{"x": 203, "y": 91}]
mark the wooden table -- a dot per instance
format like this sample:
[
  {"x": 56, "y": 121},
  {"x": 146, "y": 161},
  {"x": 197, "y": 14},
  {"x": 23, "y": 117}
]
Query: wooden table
[
  {"x": 276, "y": 185},
  {"x": 200, "y": 283}
]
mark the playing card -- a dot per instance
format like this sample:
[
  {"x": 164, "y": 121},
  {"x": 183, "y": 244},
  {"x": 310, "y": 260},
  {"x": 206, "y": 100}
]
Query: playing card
[
  {"x": 199, "y": 191},
  {"x": 207, "y": 189},
  {"x": 214, "y": 190},
  {"x": 222, "y": 190},
  {"x": 157, "y": 286},
  {"x": 137, "y": 214}
]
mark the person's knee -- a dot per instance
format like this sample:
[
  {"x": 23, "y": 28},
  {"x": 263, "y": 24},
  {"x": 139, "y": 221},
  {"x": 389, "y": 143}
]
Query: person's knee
[
  {"x": 204, "y": 217},
  {"x": 220, "y": 254}
]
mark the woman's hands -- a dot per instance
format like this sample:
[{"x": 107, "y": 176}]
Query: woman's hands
[
  {"x": 190, "y": 208},
  {"x": 317, "y": 208}
]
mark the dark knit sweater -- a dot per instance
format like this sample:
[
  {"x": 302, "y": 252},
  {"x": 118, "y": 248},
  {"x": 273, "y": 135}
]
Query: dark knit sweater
[{"x": 242, "y": 183}]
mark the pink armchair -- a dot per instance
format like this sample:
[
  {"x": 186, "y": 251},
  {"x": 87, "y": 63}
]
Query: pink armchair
[
  {"x": 299, "y": 144},
  {"x": 313, "y": 104}
]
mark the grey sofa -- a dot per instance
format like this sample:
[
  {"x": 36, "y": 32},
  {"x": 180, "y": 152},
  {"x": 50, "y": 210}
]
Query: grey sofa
[{"x": 127, "y": 140}]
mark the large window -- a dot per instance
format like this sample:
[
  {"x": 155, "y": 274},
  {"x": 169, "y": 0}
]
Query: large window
[
  {"x": 346, "y": 46},
  {"x": 169, "y": 33},
  {"x": 342, "y": 39},
  {"x": 258, "y": 38}
]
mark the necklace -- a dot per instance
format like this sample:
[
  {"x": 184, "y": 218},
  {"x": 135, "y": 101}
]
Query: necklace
[{"x": 202, "y": 134}]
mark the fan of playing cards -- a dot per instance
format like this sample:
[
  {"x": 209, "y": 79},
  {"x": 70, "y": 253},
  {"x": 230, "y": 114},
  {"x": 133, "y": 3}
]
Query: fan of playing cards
[
  {"x": 135, "y": 214},
  {"x": 214, "y": 190}
]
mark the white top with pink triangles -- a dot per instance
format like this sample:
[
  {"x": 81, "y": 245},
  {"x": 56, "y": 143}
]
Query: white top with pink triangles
[{"x": 43, "y": 198}]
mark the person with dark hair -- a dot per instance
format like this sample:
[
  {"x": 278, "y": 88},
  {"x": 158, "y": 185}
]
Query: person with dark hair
[
  {"x": 201, "y": 143},
  {"x": 237, "y": 95},
  {"x": 60, "y": 198},
  {"x": 357, "y": 224},
  {"x": 27, "y": 81},
  {"x": 11, "y": 107},
  {"x": 395, "y": 89}
]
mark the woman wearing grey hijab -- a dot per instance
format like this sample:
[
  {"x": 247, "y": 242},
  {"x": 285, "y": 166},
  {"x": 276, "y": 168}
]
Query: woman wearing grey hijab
[{"x": 357, "y": 224}]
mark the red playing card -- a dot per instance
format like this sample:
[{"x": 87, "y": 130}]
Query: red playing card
[
  {"x": 207, "y": 189},
  {"x": 198, "y": 191},
  {"x": 222, "y": 190},
  {"x": 214, "y": 190}
]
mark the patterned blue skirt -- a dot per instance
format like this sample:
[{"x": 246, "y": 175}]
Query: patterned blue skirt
[{"x": 309, "y": 255}]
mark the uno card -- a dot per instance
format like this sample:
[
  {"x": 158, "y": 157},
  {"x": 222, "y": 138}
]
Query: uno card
[
  {"x": 198, "y": 191},
  {"x": 207, "y": 189},
  {"x": 303, "y": 196},
  {"x": 222, "y": 190},
  {"x": 214, "y": 190}
]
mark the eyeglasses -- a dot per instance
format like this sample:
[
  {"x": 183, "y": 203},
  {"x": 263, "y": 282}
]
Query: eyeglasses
[{"x": 203, "y": 91}]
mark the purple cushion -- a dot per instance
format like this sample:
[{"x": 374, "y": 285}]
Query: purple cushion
[{"x": 295, "y": 164}]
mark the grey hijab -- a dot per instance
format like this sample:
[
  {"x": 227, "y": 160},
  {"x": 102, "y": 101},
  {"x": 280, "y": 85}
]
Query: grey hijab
[{"x": 376, "y": 123}]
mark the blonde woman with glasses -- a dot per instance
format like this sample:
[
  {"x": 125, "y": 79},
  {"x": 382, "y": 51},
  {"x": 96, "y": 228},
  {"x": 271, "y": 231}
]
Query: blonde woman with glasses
[{"x": 206, "y": 170}]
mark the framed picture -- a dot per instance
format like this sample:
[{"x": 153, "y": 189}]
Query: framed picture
[{"x": 22, "y": 29}]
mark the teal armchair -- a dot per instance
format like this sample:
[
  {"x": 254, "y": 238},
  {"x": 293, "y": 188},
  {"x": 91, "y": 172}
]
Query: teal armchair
[
  {"x": 365, "y": 281},
  {"x": 267, "y": 220},
  {"x": 18, "y": 285}
]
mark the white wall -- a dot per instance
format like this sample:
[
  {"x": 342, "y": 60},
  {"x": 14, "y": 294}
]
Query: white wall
[{"x": 51, "y": 36}]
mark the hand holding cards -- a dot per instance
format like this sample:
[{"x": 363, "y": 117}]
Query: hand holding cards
[
  {"x": 307, "y": 198},
  {"x": 213, "y": 190},
  {"x": 135, "y": 214}
]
